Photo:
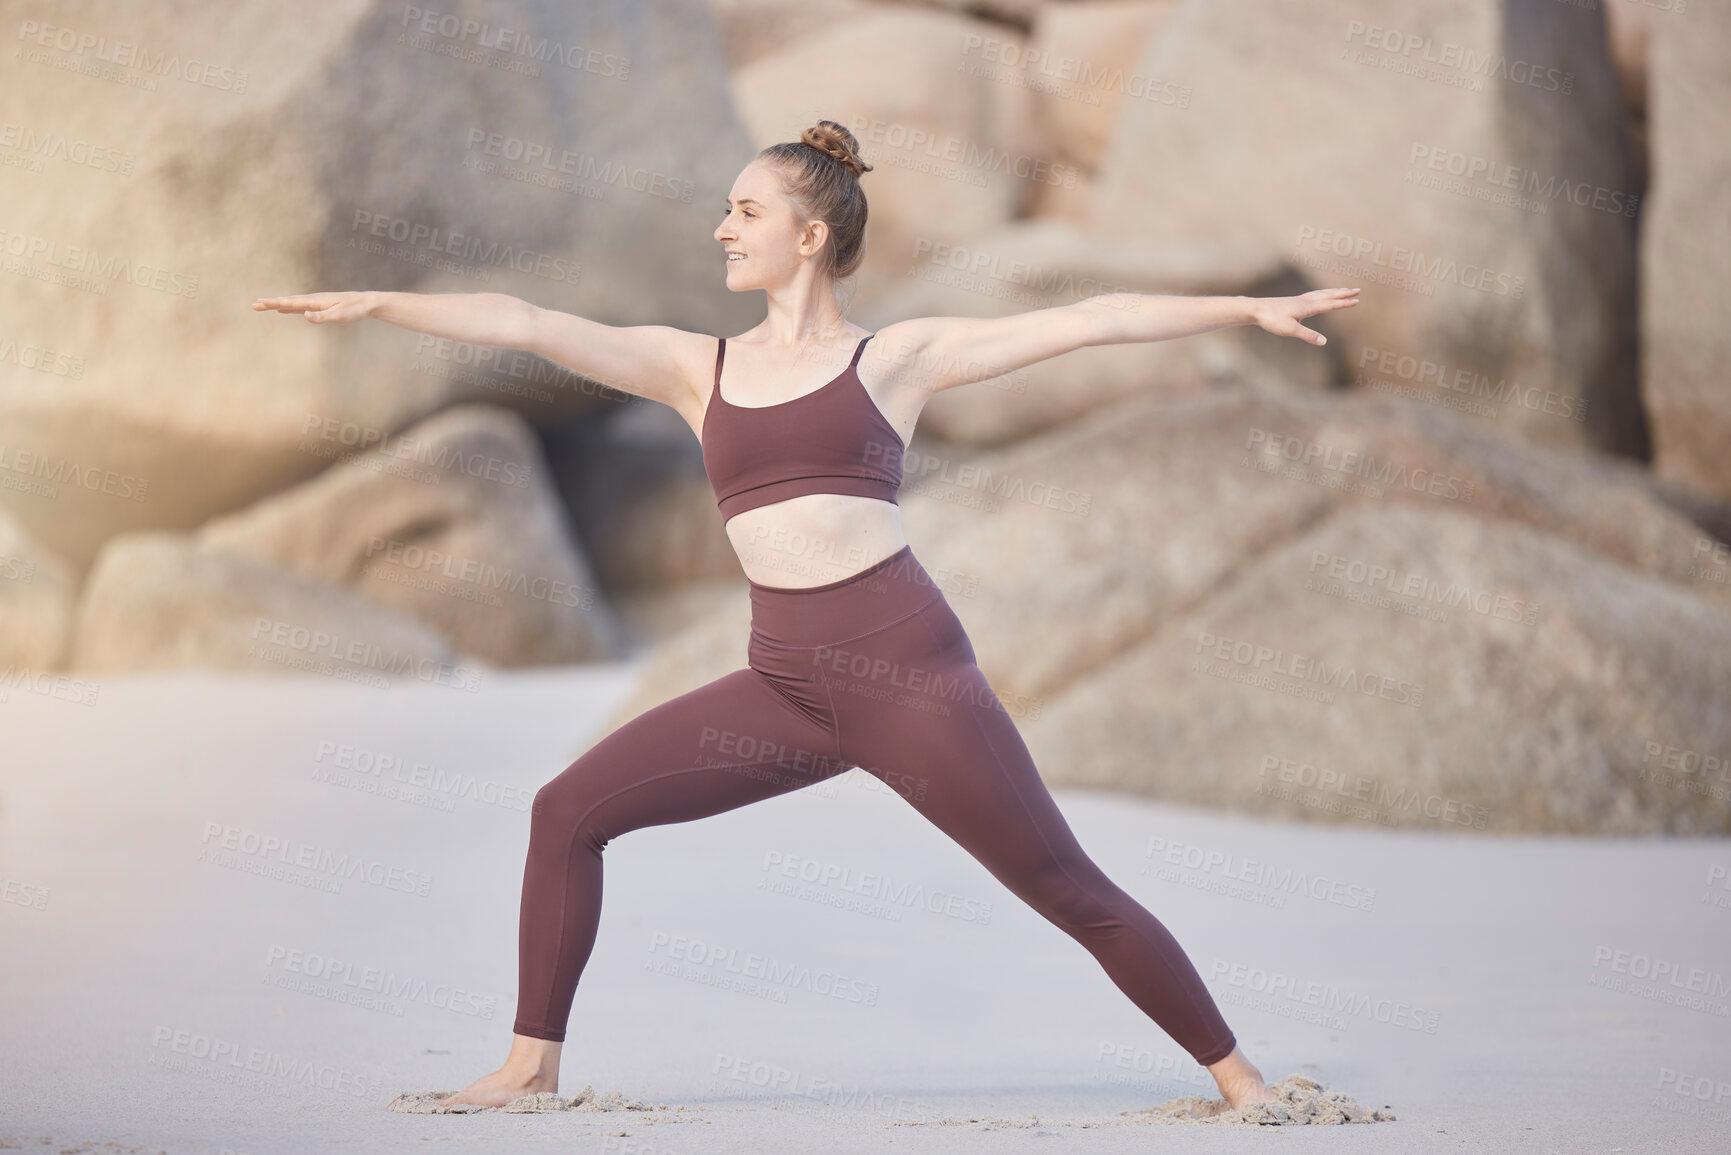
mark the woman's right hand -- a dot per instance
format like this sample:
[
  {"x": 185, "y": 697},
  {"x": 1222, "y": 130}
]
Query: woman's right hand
[{"x": 321, "y": 308}]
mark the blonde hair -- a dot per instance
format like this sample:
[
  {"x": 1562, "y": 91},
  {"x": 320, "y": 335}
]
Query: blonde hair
[{"x": 820, "y": 175}]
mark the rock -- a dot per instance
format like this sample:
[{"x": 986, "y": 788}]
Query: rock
[
  {"x": 453, "y": 523},
  {"x": 640, "y": 500},
  {"x": 1629, "y": 34},
  {"x": 948, "y": 135},
  {"x": 1072, "y": 547},
  {"x": 37, "y": 594},
  {"x": 1043, "y": 263},
  {"x": 340, "y": 147},
  {"x": 1537, "y": 298},
  {"x": 1686, "y": 249},
  {"x": 1089, "y": 52},
  {"x": 751, "y": 29},
  {"x": 156, "y": 601},
  {"x": 1497, "y": 678}
]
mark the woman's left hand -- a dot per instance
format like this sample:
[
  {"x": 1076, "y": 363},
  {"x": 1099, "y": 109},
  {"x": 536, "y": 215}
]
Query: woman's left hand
[{"x": 1281, "y": 315}]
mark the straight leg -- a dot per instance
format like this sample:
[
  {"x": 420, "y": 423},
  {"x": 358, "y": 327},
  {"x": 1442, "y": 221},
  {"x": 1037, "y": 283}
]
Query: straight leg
[{"x": 949, "y": 733}]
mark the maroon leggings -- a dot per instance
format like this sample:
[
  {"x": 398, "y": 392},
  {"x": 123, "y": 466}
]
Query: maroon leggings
[{"x": 872, "y": 671}]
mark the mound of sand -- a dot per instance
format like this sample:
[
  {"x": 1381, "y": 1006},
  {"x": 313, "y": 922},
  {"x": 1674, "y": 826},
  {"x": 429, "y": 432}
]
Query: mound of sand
[
  {"x": 1299, "y": 1101},
  {"x": 427, "y": 1103}
]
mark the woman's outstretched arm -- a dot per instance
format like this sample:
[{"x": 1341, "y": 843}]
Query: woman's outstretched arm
[
  {"x": 654, "y": 361},
  {"x": 939, "y": 353}
]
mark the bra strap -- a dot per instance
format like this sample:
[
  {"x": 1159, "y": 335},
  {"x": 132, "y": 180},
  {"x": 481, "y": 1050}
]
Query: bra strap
[
  {"x": 720, "y": 351},
  {"x": 860, "y": 348}
]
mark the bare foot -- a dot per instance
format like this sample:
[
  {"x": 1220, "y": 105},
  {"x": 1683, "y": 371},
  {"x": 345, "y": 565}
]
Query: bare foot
[
  {"x": 532, "y": 1067},
  {"x": 1239, "y": 1081}
]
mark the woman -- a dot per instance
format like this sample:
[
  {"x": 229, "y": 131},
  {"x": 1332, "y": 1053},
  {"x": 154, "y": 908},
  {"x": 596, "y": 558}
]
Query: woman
[{"x": 855, "y": 658}]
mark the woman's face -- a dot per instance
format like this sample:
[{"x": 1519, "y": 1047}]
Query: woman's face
[{"x": 760, "y": 225}]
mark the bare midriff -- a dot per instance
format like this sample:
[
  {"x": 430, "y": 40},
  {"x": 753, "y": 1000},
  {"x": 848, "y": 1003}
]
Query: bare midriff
[{"x": 814, "y": 539}]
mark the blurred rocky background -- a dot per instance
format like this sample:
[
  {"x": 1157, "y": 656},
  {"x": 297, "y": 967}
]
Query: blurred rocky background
[{"x": 1464, "y": 568}]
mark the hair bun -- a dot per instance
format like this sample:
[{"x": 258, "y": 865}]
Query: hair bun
[{"x": 837, "y": 143}]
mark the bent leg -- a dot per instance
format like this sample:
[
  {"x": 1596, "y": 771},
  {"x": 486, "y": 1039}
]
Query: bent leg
[
  {"x": 737, "y": 740},
  {"x": 973, "y": 778}
]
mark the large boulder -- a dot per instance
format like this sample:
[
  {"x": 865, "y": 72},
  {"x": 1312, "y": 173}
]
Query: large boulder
[
  {"x": 453, "y": 523},
  {"x": 755, "y": 28},
  {"x": 1483, "y": 195},
  {"x": 640, "y": 500},
  {"x": 37, "y": 596},
  {"x": 1686, "y": 250},
  {"x": 950, "y": 137},
  {"x": 1088, "y": 52},
  {"x": 1408, "y": 666},
  {"x": 543, "y": 148},
  {"x": 1072, "y": 547},
  {"x": 1041, "y": 263},
  {"x": 157, "y": 601},
  {"x": 1629, "y": 31}
]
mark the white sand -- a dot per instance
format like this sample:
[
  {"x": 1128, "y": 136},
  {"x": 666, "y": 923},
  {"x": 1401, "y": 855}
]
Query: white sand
[{"x": 161, "y": 993}]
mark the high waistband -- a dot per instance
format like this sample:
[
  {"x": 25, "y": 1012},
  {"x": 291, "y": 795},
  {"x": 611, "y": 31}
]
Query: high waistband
[{"x": 880, "y": 595}]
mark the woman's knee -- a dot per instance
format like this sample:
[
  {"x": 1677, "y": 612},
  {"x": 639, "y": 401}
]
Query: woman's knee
[
  {"x": 567, "y": 801},
  {"x": 1076, "y": 901}
]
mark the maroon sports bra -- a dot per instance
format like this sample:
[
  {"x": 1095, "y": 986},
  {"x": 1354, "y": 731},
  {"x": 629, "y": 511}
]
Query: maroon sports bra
[{"x": 834, "y": 439}]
